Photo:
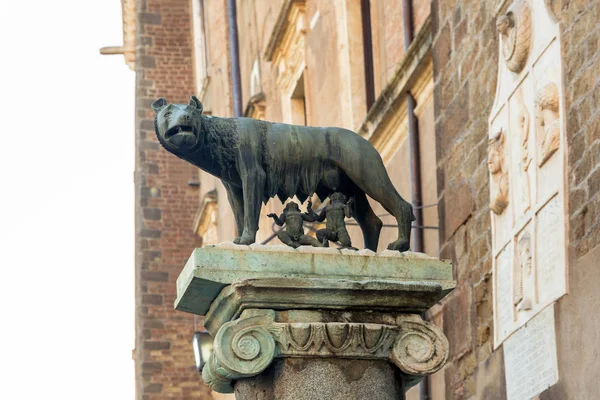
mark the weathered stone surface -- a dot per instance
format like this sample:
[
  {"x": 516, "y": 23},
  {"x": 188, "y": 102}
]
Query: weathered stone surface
[
  {"x": 576, "y": 353},
  {"x": 490, "y": 379},
  {"x": 333, "y": 379},
  {"x": 211, "y": 268},
  {"x": 303, "y": 293},
  {"x": 457, "y": 321},
  {"x": 458, "y": 203}
]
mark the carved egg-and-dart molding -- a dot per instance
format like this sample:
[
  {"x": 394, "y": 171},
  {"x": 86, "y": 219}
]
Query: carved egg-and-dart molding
[{"x": 245, "y": 347}]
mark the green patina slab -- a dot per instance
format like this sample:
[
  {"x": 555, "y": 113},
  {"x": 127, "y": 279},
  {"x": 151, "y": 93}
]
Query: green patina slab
[{"x": 308, "y": 277}]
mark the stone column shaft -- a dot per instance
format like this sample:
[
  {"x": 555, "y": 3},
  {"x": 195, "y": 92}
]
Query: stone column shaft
[{"x": 325, "y": 378}]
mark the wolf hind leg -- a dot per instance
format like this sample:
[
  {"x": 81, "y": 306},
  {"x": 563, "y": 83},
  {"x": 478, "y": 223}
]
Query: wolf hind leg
[
  {"x": 379, "y": 186},
  {"x": 369, "y": 222}
]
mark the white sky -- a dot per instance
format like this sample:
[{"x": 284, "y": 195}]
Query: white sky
[{"x": 66, "y": 202}]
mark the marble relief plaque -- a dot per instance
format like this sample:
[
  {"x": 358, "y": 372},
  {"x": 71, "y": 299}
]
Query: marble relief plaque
[{"x": 526, "y": 152}]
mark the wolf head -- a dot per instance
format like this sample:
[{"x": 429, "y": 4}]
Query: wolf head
[{"x": 178, "y": 125}]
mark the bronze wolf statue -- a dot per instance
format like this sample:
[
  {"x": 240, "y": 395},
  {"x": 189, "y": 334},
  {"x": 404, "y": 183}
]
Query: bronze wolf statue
[{"x": 257, "y": 160}]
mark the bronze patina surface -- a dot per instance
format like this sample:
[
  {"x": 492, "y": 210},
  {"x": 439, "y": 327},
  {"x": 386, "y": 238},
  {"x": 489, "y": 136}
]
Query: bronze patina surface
[{"x": 257, "y": 160}]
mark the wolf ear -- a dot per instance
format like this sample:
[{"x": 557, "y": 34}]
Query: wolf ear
[
  {"x": 194, "y": 102},
  {"x": 158, "y": 105}
]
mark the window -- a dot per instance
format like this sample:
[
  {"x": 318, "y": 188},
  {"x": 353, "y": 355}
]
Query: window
[{"x": 298, "y": 103}]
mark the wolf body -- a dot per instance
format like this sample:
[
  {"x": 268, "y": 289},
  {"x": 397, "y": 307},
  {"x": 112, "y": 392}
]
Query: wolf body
[{"x": 257, "y": 160}]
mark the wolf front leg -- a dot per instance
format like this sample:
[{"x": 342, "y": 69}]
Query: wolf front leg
[
  {"x": 253, "y": 185},
  {"x": 236, "y": 200}
]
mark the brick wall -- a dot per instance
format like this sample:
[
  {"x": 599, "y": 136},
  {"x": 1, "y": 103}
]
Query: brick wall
[
  {"x": 465, "y": 53},
  {"x": 164, "y": 207}
]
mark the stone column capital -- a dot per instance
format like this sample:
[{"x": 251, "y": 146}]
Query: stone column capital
[
  {"x": 241, "y": 349},
  {"x": 247, "y": 346}
]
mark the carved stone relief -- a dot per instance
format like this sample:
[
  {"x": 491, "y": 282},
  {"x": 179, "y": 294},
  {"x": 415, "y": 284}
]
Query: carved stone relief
[
  {"x": 523, "y": 126},
  {"x": 527, "y": 203},
  {"x": 548, "y": 121},
  {"x": 515, "y": 31},
  {"x": 497, "y": 167},
  {"x": 503, "y": 186},
  {"x": 523, "y": 290},
  {"x": 520, "y": 130}
]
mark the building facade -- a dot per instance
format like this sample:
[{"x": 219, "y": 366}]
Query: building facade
[{"x": 450, "y": 94}]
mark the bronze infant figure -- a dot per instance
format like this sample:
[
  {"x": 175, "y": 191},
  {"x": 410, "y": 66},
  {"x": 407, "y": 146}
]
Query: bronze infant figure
[
  {"x": 335, "y": 227},
  {"x": 293, "y": 218},
  {"x": 257, "y": 160}
]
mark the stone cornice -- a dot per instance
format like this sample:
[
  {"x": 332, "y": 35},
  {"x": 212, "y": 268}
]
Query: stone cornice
[
  {"x": 318, "y": 294},
  {"x": 128, "y": 47},
  {"x": 282, "y": 25}
]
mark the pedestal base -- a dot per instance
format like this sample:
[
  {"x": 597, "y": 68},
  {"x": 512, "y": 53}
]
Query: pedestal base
[
  {"x": 329, "y": 378},
  {"x": 316, "y": 323}
]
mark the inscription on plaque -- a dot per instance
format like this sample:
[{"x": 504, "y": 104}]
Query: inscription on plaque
[
  {"x": 551, "y": 279},
  {"x": 530, "y": 357},
  {"x": 526, "y": 153}
]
